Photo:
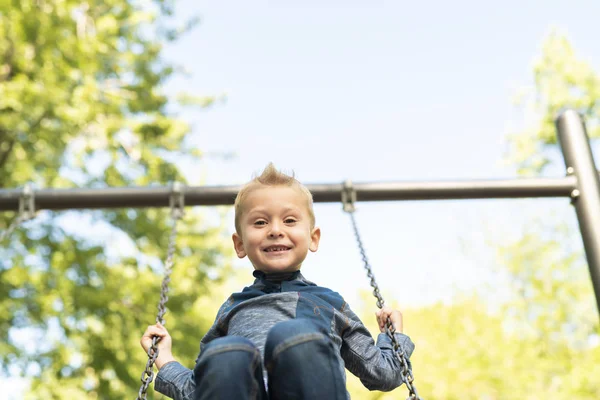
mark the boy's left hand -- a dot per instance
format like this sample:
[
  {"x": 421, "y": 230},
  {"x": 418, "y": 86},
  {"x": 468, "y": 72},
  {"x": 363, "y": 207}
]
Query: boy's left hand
[{"x": 395, "y": 317}]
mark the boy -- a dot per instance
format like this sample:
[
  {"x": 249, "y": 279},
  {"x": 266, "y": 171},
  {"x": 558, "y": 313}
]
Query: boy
[{"x": 283, "y": 335}]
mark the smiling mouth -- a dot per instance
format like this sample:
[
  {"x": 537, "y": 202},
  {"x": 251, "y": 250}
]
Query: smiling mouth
[{"x": 276, "y": 249}]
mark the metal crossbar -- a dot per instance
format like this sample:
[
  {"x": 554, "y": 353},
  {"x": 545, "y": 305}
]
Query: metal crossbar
[{"x": 140, "y": 197}]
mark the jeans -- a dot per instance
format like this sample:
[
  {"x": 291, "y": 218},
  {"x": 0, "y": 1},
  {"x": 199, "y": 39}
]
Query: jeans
[{"x": 300, "y": 361}]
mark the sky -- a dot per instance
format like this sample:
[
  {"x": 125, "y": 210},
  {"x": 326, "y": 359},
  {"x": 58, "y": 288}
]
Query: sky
[{"x": 377, "y": 91}]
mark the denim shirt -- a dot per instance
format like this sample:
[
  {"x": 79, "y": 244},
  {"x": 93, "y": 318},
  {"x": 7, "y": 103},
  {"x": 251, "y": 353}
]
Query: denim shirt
[{"x": 279, "y": 297}]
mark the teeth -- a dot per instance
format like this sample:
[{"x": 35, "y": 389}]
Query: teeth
[{"x": 276, "y": 249}]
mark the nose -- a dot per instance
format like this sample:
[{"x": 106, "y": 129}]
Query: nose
[{"x": 275, "y": 230}]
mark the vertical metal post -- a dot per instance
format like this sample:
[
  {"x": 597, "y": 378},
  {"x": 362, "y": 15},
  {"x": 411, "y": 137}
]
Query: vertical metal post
[{"x": 579, "y": 161}]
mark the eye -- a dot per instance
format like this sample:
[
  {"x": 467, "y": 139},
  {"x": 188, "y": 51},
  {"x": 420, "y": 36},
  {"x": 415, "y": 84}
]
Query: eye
[
  {"x": 289, "y": 220},
  {"x": 260, "y": 222}
]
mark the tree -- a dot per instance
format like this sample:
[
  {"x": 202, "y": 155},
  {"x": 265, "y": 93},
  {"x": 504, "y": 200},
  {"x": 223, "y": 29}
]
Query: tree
[
  {"x": 556, "y": 302},
  {"x": 544, "y": 342},
  {"x": 561, "y": 79},
  {"x": 552, "y": 314},
  {"x": 468, "y": 350},
  {"x": 461, "y": 352},
  {"x": 82, "y": 105}
]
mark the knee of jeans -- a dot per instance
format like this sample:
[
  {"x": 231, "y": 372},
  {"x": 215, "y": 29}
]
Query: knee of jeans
[
  {"x": 229, "y": 347},
  {"x": 225, "y": 359},
  {"x": 289, "y": 333}
]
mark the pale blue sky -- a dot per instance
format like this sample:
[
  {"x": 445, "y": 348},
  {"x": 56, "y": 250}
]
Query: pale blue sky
[{"x": 377, "y": 91}]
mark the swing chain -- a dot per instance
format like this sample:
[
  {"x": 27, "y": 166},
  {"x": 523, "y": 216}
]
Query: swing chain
[
  {"x": 26, "y": 211},
  {"x": 176, "y": 203},
  {"x": 348, "y": 200}
]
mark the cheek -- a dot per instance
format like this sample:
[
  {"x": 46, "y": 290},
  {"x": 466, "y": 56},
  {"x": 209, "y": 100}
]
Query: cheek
[
  {"x": 302, "y": 238},
  {"x": 254, "y": 239}
]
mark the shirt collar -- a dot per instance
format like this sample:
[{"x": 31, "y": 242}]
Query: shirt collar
[{"x": 276, "y": 277}]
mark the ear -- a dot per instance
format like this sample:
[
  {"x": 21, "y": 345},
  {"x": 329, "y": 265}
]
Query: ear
[
  {"x": 238, "y": 245},
  {"x": 315, "y": 237}
]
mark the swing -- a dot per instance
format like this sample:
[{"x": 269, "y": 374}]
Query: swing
[{"x": 176, "y": 203}]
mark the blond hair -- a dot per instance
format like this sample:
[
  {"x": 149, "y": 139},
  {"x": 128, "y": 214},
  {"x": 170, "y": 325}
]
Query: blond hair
[{"x": 271, "y": 176}]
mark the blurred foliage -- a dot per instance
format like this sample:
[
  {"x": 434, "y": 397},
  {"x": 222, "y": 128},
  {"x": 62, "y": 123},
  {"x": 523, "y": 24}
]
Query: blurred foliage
[
  {"x": 461, "y": 353},
  {"x": 553, "y": 312},
  {"x": 561, "y": 79},
  {"x": 541, "y": 343},
  {"x": 82, "y": 105}
]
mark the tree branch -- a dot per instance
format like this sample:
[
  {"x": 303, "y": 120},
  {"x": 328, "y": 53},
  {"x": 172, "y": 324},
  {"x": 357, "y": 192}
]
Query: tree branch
[{"x": 4, "y": 155}]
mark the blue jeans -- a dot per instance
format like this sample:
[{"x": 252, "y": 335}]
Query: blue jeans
[{"x": 300, "y": 361}]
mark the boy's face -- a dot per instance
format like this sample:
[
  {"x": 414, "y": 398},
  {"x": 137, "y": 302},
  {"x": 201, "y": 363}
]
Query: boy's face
[{"x": 275, "y": 231}]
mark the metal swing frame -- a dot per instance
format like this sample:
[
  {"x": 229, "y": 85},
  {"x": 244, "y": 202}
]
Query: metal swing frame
[{"x": 581, "y": 185}]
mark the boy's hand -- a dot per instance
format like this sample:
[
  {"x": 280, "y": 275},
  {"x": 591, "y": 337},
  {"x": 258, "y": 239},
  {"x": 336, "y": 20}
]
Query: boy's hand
[
  {"x": 395, "y": 317},
  {"x": 164, "y": 345}
]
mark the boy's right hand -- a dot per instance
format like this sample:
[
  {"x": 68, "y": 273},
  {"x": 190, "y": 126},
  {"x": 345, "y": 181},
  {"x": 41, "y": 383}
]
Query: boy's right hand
[{"x": 164, "y": 345}]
